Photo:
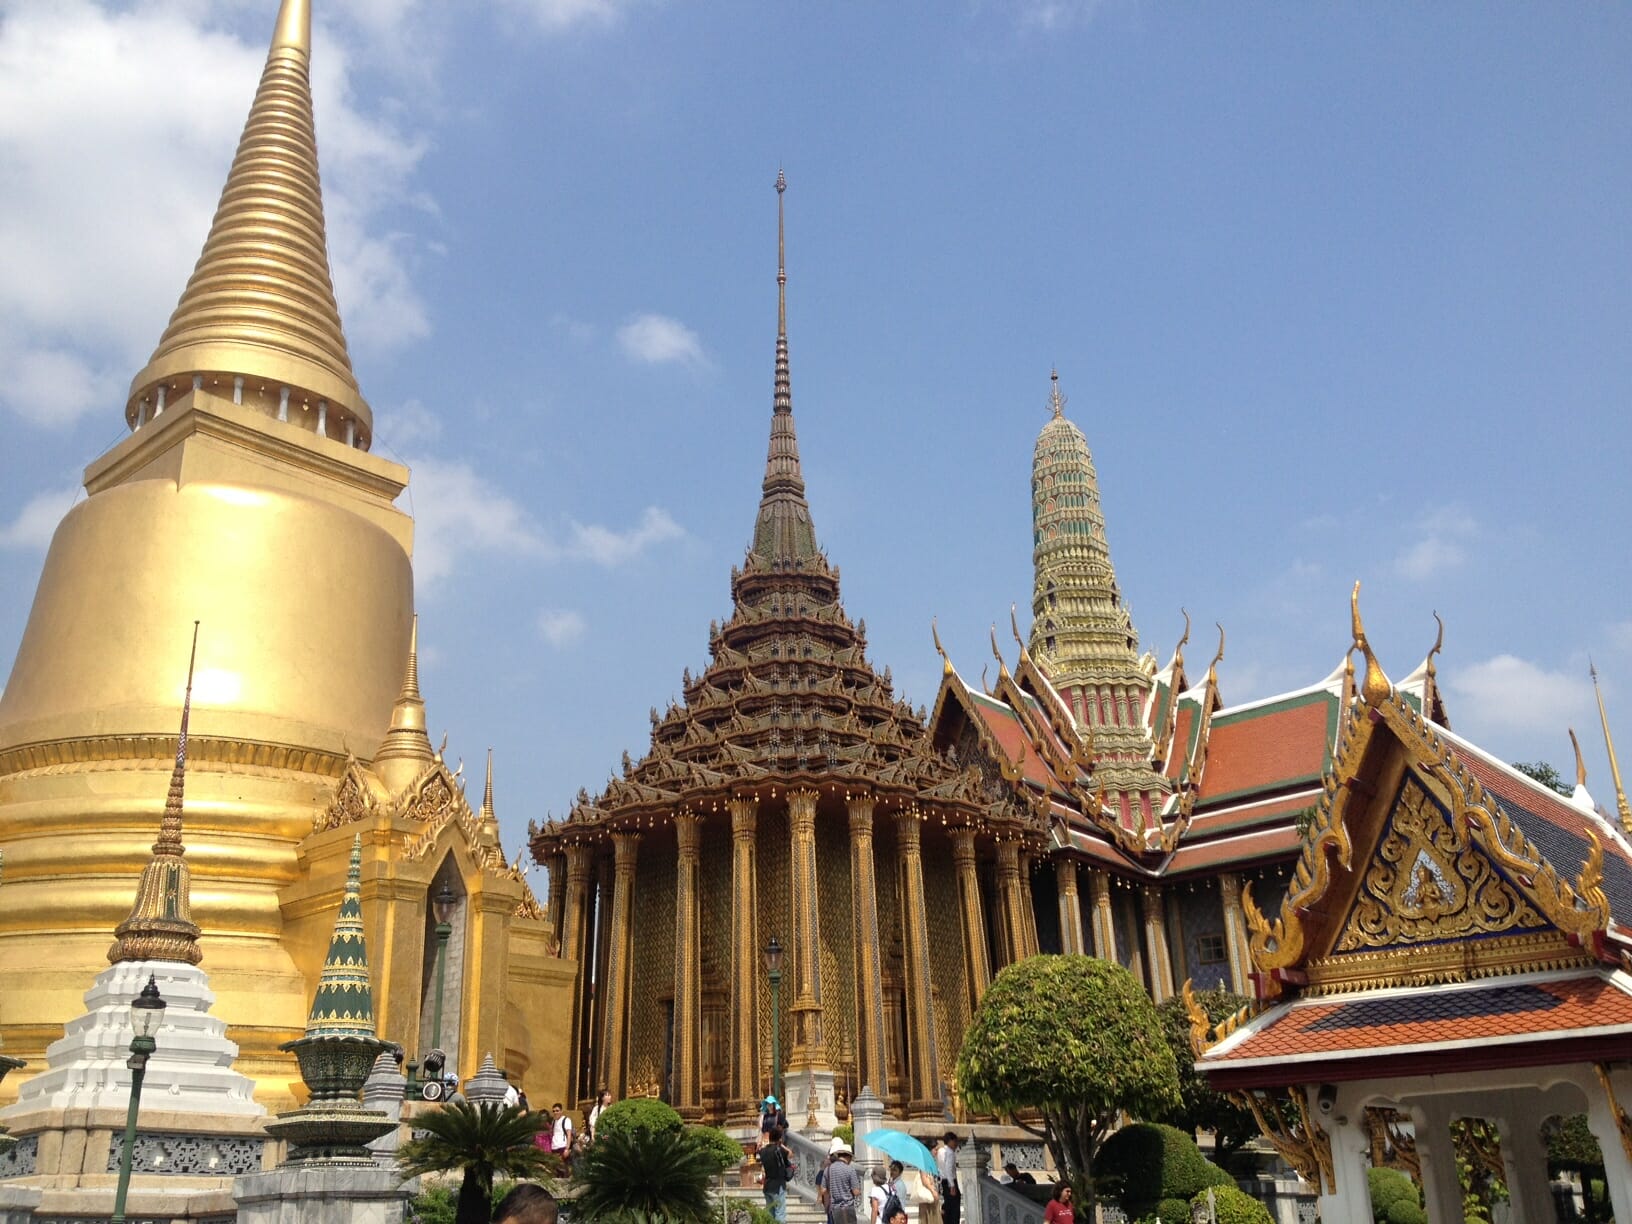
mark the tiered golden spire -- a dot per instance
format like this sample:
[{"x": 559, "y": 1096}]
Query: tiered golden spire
[
  {"x": 1622, "y": 810},
  {"x": 258, "y": 319},
  {"x": 160, "y": 926},
  {"x": 488, "y": 822},
  {"x": 406, "y": 751}
]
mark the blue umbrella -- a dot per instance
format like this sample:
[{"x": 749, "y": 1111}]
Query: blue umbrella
[{"x": 898, "y": 1145}]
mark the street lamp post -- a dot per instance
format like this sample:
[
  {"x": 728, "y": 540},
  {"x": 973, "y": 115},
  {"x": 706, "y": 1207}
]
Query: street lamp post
[
  {"x": 773, "y": 967},
  {"x": 146, "y": 1014},
  {"x": 442, "y": 906}
]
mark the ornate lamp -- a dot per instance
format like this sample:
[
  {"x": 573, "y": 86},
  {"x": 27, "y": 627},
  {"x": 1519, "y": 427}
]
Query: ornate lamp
[
  {"x": 773, "y": 969},
  {"x": 146, "y": 1015}
]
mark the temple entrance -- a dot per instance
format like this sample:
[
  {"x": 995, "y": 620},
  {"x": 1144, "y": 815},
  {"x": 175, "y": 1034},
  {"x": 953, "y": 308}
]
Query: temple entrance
[{"x": 441, "y": 1009}]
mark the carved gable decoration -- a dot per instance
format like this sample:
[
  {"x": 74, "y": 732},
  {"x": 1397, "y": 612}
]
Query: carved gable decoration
[
  {"x": 352, "y": 803},
  {"x": 431, "y": 801},
  {"x": 1429, "y": 883}
]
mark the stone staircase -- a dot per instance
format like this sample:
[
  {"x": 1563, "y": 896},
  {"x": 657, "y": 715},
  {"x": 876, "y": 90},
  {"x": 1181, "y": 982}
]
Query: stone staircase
[{"x": 801, "y": 1212}]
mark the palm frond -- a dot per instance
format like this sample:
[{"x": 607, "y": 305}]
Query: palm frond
[
  {"x": 490, "y": 1139},
  {"x": 638, "y": 1177}
]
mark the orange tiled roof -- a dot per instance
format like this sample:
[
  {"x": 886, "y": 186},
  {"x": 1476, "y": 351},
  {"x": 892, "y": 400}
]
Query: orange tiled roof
[
  {"x": 1184, "y": 734},
  {"x": 1408, "y": 1021},
  {"x": 1280, "y": 841},
  {"x": 1004, "y": 724},
  {"x": 1268, "y": 746},
  {"x": 1250, "y": 813}
]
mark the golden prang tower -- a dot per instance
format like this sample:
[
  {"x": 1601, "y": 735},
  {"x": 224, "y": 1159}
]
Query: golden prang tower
[{"x": 244, "y": 498}]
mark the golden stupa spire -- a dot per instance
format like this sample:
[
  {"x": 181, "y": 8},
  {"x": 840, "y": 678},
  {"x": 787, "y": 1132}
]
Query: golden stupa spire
[
  {"x": 160, "y": 926},
  {"x": 258, "y": 320},
  {"x": 1621, "y": 809},
  {"x": 1056, "y": 401},
  {"x": 406, "y": 751},
  {"x": 488, "y": 821}
]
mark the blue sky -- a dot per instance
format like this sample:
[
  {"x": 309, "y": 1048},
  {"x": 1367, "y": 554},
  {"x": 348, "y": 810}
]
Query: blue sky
[{"x": 1335, "y": 292}]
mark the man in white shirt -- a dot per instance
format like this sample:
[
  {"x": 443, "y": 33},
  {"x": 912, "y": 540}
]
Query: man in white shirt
[{"x": 946, "y": 1167}]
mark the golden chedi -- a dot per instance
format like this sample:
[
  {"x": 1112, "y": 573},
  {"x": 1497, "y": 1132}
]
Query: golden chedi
[{"x": 244, "y": 498}]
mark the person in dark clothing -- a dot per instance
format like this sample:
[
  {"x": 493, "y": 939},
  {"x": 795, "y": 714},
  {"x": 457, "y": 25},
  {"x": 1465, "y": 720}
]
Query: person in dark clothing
[{"x": 777, "y": 1163}]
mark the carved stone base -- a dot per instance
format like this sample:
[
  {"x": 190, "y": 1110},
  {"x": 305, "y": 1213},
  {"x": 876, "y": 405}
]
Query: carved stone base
[
  {"x": 323, "y": 1194},
  {"x": 803, "y": 1085}
]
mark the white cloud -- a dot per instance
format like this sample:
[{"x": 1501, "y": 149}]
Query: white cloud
[
  {"x": 1051, "y": 15},
  {"x": 112, "y": 177},
  {"x": 560, "y": 626},
  {"x": 31, "y": 530},
  {"x": 1513, "y": 694},
  {"x": 407, "y": 427},
  {"x": 654, "y": 339},
  {"x": 1444, "y": 535},
  {"x": 558, "y": 16},
  {"x": 607, "y": 547},
  {"x": 457, "y": 511}
]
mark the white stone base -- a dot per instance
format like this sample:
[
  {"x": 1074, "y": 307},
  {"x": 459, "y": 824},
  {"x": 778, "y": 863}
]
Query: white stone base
[
  {"x": 190, "y": 1071},
  {"x": 318, "y": 1194},
  {"x": 798, "y": 1086}
]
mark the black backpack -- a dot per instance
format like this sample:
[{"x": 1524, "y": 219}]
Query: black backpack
[{"x": 773, "y": 1158}]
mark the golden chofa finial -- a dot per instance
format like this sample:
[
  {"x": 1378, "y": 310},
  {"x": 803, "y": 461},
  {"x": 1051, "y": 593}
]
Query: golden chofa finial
[
  {"x": 1002, "y": 665},
  {"x": 1580, "y": 761},
  {"x": 1014, "y": 628},
  {"x": 1623, "y": 810},
  {"x": 258, "y": 322},
  {"x": 1439, "y": 645},
  {"x": 1212, "y": 668},
  {"x": 935, "y": 633},
  {"x": 1376, "y": 687},
  {"x": 1184, "y": 638}
]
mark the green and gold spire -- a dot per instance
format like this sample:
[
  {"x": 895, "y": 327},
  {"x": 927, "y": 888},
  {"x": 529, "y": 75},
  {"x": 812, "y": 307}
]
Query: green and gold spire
[
  {"x": 160, "y": 926},
  {"x": 344, "y": 1006}
]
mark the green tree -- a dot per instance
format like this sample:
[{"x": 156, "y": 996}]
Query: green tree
[
  {"x": 1541, "y": 771},
  {"x": 1232, "y": 1205},
  {"x": 1572, "y": 1148},
  {"x": 481, "y": 1141},
  {"x": 1200, "y": 1108},
  {"x": 638, "y": 1113},
  {"x": 637, "y": 1175},
  {"x": 1076, "y": 1039},
  {"x": 1155, "y": 1170}
]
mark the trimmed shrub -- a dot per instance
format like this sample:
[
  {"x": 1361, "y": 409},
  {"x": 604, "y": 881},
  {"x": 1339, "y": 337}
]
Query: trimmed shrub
[
  {"x": 1173, "y": 1211},
  {"x": 846, "y": 1132},
  {"x": 1406, "y": 1212},
  {"x": 718, "y": 1144},
  {"x": 1388, "y": 1187},
  {"x": 1146, "y": 1163},
  {"x": 1235, "y": 1206},
  {"x": 638, "y": 1114}
]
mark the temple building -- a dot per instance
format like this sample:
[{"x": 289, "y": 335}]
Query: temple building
[
  {"x": 245, "y": 498},
  {"x": 791, "y": 749}
]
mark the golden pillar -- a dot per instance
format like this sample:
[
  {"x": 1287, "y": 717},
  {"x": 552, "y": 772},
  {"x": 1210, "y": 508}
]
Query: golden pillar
[
  {"x": 977, "y": 968},
  {"x": 688, "y": 1020},
  {"x": 615, "y": 1011},
  {"x": 1235, "y": 932},
  {"x": 923, "y": 1093},
  {"x": 574, "y": 935},
  {"x": 1104, "y": 926},
  {"x": 1011, "y": 902},
  {"x": 1161, "y": 964},
  {"x": 809, "y": 1048},
  {"x": 555, "y": 911},
  {"x": 745, "y": 967},
  {"x": 1028, "y": 910},
  {"x": 864, "y": 906},
  {"x": 1065, "y": 876}
]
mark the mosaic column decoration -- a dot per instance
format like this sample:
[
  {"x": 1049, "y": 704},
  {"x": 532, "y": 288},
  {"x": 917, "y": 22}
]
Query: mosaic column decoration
[
  {"x": 977, "y": 968},
  {"x": 615, "y": 1013},
  {"x": 1010, "y": 902},
  {"x": 1028, "y": 910},
  {"x": 556, "y": 912},
  {"x": 923, "y": 1094},
  {"x": 809, "y": 1047},
  {"x": 688, "y": 1034},
  {"x": 745, "y": 961},
  {"x": 1161, "y": 965},
  {"x": 869, "y": 962},
  {"x": 574, "y": 936},
  {"x": 1099, "y": 894},
  {"x": 1065, "y": 874},
  {"x": 1235, "y": 933}
]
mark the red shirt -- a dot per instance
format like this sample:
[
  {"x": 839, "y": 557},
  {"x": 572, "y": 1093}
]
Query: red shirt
[{"x": 1059, "y": 1213}]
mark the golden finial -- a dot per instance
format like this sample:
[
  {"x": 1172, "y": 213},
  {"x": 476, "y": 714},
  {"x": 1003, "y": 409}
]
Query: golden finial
[
  {"x": 406, "y": 750},
  {"x": 259, "y": 314},
  {"x": 160, "y": 925},
  {"x": 1212, "y": 668},
  {"x": 946, "y": 662},
  {"x": 1376, "y": 687},
  {"x": 1439, "y": 644},
  {"x": 1056, "y": 401},
  {"x": 1002, "y": 666},
  {"x": 1178, "y": 651},
  {"x": 1014, "y": 627},
  {"x": 1580, "y": 762},
  {"x": 1622, "y": 809},
  {"x": 489, "y": 821}
]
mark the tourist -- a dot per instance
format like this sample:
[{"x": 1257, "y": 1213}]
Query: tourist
[
  {"x": 603, "y": 1099},
  {"x": 526, "y": 1204},
  {"x": 877, "y": 1198},
  {"x": 1059, "y": 1209},
  {"x": 1009, "y": 1176},
  {"x": 561, "y": 1134},
  {"x": 777, "y": 1163},
  {"x": 521, "y": 1101},
  {"x": 512, "y": 1096},
  {"x": 842, "y": 1186},
  {"x": 946, "y": 1165},
  {"x": 771, "y": 1115}
]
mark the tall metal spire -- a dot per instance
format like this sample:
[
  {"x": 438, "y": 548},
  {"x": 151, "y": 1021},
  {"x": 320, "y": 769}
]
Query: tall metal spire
[
  {"x": 1622, "y": 810},
  {"x": 160, "y": 926},
  {"x": 258, "y": 319},
  {"x": 783, "y": 531}
]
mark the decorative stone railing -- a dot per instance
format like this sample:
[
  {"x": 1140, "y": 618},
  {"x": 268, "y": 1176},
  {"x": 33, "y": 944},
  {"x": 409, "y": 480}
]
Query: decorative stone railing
[
  {"x": 1001, "y": 1205},
  {"x": 808, "y": 1156}
]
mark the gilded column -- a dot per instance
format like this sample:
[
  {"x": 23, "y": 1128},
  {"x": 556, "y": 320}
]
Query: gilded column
[
  {"x": 574, "y": 936},
  {"x": 615, "y": 1010},
  {"x": 1161, "y": 964},
  {"x": 809, "y": 1047},
  {"x": 688, "y": 1020},
  {"x": 977, "y": 967},
  {"x": 1065, "y": 875},
  {"x": 1028, "y": 910},
  {"x": 1235, "y": 932},
  {"x": 1099, "y": 893},
  {"x": 745, "y": 961},
  {"x": 923, "y": 1092},
  {"x": 555, "y": 911},
  {"x": 1010, "y": 901},
  {"x": 864, "y": 906}
]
